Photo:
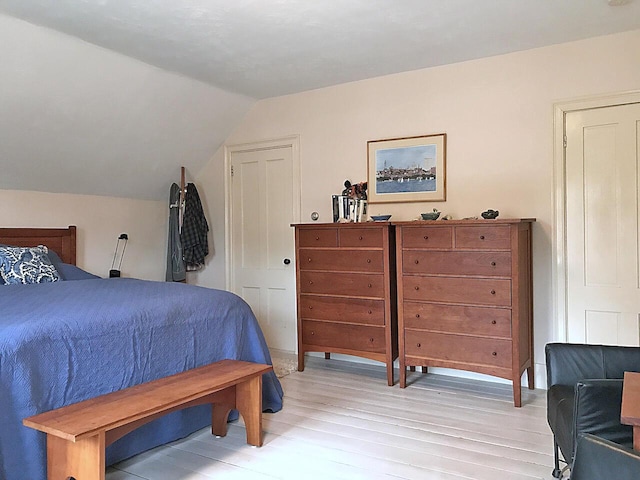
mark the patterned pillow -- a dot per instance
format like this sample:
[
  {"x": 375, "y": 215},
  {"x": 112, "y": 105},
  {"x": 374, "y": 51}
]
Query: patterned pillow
[{"x": 24, "y": 265}]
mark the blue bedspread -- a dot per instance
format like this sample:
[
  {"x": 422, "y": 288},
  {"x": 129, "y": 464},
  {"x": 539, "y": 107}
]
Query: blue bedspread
[{"x": 64, "y": 342}]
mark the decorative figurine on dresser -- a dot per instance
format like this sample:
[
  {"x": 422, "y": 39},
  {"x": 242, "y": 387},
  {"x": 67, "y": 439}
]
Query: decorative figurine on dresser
[
  {"x": 346, "y": 291},
  {"x": 465, "y": 297}
]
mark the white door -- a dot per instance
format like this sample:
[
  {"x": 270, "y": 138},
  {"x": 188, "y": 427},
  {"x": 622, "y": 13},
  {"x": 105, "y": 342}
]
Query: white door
[
  {"x": 602, "y": 228},
  {"x": 264, "y": 202}
]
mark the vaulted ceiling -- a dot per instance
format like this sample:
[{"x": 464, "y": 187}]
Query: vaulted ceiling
[{"x": 111, "y": 96}]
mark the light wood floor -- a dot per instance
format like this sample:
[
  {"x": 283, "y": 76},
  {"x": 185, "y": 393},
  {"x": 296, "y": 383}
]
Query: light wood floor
[{"x": 341, "y": 421}]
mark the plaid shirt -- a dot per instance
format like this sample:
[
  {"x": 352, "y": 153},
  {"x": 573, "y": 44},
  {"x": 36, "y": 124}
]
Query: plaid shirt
[{"x": 195, "y": 246}]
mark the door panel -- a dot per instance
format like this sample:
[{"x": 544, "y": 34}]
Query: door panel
[
  {"x": 263, "y": 206},
  {"x": 603, "y": 298}
]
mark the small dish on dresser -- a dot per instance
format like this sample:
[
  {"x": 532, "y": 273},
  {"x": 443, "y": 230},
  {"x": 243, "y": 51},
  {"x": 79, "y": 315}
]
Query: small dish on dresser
[
  {"x": 380, "y": 218},
  {"x": 430, "y": 216}
]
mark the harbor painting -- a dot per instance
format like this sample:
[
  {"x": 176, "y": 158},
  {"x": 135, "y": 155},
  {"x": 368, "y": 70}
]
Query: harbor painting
[{"x": 408, "y": 169}]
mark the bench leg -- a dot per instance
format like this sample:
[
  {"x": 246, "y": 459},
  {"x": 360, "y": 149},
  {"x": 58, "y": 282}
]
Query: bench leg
[
  {"x": 222, "y": 403},
  {"x": 249, "y": 404},
  {"x": 246, "y": 397},
  {"x": 82, "y": 460}
]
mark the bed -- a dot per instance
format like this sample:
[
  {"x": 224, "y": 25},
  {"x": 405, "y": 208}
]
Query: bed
[{"x": 65, "y": 341}]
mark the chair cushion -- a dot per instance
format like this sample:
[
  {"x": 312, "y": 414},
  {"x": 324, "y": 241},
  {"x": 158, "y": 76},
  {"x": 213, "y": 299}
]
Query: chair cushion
[{"x": 597, "y": 458}]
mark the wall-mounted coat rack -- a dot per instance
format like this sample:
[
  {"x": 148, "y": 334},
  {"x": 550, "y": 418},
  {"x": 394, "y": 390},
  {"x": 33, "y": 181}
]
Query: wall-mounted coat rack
[{"x": 188, "y": 231}]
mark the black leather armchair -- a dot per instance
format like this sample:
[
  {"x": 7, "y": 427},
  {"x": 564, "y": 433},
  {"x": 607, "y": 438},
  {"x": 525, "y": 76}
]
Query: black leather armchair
[
  {"x": 585, "y": 394},
  {"x": 600, "y": 459}
]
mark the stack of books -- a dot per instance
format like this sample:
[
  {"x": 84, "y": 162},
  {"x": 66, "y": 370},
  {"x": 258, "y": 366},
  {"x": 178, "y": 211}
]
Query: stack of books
[{"x": 349, "y": 209}]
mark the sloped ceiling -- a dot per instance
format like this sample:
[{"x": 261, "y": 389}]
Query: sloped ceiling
[{"x": 110, "y": 97}]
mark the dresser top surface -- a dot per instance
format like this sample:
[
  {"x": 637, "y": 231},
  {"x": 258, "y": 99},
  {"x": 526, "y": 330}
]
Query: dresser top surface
[
  {"x": 479, "y": 221},
  {"x": 342, "y": 225}
]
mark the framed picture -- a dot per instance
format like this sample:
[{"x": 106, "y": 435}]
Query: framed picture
[{"x": 410, "y": 169}]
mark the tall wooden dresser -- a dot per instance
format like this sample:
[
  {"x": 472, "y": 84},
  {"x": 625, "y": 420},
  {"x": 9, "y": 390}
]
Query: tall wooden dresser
[
  {"x": 465, "y": 297},
  {"x": 346, "y": 291}
]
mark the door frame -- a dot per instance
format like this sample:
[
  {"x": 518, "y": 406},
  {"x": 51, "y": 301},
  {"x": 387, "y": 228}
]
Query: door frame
[
  {"x": 292, "y": 141},
  {"x": 559, "y": 247}
]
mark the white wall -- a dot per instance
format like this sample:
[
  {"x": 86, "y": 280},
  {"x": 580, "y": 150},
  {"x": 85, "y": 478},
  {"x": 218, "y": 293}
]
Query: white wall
[
  {"x": 100, "y": 220},
  {"x": 497, "y": 113},
  {"x": 77, "y": 118}
]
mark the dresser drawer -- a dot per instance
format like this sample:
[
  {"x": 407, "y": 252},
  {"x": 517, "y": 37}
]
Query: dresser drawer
[
  {"x": 341, "y": 260},
  {"x": 482, "y": 237},
  {"x": 318, "y": 237},
  {"x": 343, "y": 336},
  {"x": 347, "y": 284},
  {"x": 492, "y": 322},
  {"x": 457, "y": 263},
  {"x": 342, "y": 309},
  {"x": 458, "y": 348},
  {"x": 475, "y": 291},
  {"x": 427, "y": 237},
  {"x": 361, "y": 237}
]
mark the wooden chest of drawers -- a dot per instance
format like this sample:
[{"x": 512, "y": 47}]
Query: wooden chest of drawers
[
  {"x": 465, "y": 297},
  {"x": 346, "y": 291}
]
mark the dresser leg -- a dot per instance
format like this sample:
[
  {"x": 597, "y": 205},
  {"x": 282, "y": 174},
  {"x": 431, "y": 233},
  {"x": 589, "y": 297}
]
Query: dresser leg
[
  {"x": 327, "y": 355},
  {"x": 530, "y": 377},
  {"x": 301, "y": 360},
  {"x": 403, "y": 375},
  {"x": 517, "y": 393}
]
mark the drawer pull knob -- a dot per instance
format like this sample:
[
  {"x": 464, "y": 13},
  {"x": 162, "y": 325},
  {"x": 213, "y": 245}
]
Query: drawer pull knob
[
  {"x": 360, "y": 237},
  {"x": 426, "y": 237},
  {"x": 312, "y": 332},
  {"x": 481, "y": 237},
  {"x": 417, "y": 315},
  {"x": 310, "y": 282},
  {"x": 417, "y": 287},
  {"x": 417, "y": 262},
  {"x": 418, "y": 345},
  {"x": 495, "y": 354},
  {"x": 493, "y": 264},
  {"x": 493, "y": 292},
  {"x": 369, "y": 312},
  {"x": 493, "y": 322},
  {"x": 371, "y": 340},
  {"x": 310, "y": 307},
  {"x": 368, "y": 260},
  {"x": 317, "y": 238},
  {"x": 369, "y": 285},
  {"x": 309, "y": 260}
]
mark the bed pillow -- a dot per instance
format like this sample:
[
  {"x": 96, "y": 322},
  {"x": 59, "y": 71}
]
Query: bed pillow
[
  {"x": 26, "y": 265},
  {"x": 68, "y": 271},
  {"x": 56, "y": 261},
  {"x": 71, "y": 272}
]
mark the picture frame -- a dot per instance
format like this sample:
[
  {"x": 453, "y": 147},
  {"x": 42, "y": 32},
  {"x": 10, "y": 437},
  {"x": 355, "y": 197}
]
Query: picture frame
[{"x": 409, "y": 169}]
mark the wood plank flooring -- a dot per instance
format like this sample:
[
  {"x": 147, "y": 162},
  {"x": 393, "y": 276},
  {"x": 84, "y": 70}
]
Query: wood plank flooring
[{"x": 341, "y": 421}]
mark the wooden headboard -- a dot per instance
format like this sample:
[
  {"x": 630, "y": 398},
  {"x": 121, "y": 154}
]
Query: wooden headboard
[{"x": 60, "y": 240}]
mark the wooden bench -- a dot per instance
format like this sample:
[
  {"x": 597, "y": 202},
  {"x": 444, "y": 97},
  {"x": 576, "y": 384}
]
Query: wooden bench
[{"x": 78, "y": 434}]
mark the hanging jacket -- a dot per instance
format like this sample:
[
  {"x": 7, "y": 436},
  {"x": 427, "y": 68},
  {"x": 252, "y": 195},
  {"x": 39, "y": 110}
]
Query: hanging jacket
[
  {"x": 175, "y": 264},
  {"x": 195, "y": 246}
]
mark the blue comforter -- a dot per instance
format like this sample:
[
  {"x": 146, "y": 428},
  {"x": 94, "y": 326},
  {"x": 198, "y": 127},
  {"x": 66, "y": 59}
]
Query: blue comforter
[{"x": 64, "y": 342}]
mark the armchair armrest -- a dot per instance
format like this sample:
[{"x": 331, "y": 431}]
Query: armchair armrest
[
  {"x": 597, "y": 458},
  {"x": 597, "y": 411}
]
